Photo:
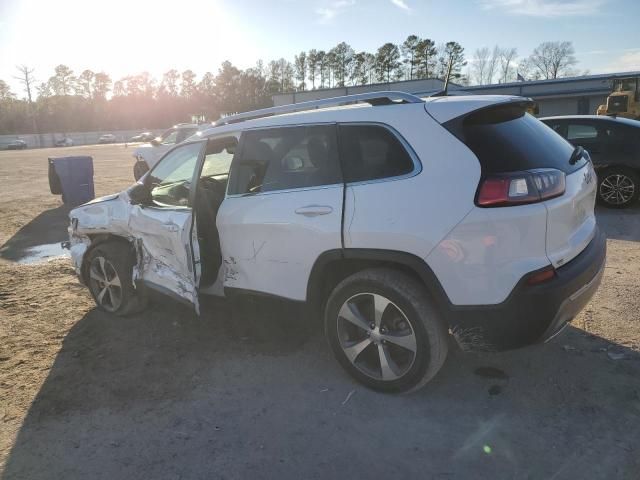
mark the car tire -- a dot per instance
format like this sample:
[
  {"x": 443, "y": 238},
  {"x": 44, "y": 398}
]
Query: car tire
[
  {"x": 618, "y": 187},
  {"x": 113, "y": 262},
  {"x": 399, "y": 350},
  {"x": 139, "y": 169}
]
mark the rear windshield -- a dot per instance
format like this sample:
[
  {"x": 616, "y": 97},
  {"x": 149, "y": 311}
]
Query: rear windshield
[{"x": 506, "y": 139}]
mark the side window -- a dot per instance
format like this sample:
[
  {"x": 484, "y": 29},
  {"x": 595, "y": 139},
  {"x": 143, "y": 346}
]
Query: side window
[
  {"x": 285, "y": 158},
  {"x": 169, "y": 137},
  {"x": 218, "y": 156},
  {"x": 581, "y": 132},
  {"x": 184, "y": 133},
  {"x": 170, "y": 180},
  {"x": 371, "y": 152}
]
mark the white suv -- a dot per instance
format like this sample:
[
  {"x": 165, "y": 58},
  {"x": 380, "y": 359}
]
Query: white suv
[
  {"x": 406, "y": 222},
  {"x": 147, "y": 155}
]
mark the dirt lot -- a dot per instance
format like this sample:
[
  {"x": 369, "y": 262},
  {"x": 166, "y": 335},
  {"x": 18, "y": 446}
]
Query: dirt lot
[{"x": 252, "y": 391}]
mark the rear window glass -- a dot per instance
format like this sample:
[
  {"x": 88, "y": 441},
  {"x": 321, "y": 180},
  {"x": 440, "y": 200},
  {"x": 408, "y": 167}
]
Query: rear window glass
[
  {"x": 506, "y": 139},
  {"x": 286, "y": 158},
  {"x": 371, "y": 152},
  {"x": 579, "y": 131}
]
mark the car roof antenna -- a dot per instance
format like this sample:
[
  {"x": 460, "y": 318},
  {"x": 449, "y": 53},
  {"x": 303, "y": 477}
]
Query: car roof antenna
[{"x": 445, "y": 91}]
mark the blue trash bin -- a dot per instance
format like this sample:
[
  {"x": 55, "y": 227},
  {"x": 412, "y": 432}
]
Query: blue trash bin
[{"x": 73, "y": 178}]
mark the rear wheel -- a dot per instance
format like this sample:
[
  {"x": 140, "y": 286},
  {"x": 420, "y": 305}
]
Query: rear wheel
[
  {"x": 618, "y": 187},
  {"x": 109, "y": 277},
  {"x": 385, "y": 331}
]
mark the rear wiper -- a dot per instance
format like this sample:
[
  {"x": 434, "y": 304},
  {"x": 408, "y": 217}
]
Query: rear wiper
[{"x": 577, "y": 154}]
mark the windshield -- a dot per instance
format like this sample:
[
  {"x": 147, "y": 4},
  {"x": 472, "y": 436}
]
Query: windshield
[{"x": 625, "y": 85}]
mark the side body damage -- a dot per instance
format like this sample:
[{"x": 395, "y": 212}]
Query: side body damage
[{"x": 162, "y": 254}]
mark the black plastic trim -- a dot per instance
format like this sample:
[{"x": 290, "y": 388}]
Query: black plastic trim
[{"x": 530, "y": 314}]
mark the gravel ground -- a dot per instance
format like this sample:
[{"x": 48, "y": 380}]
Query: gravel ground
[{"x": 251, "y": 390}]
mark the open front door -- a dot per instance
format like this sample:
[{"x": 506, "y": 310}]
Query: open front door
[{"x": 165, "y": 229}]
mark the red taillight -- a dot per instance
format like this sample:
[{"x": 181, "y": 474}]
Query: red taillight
[
  {"x": 542, "y": 276},
  {"x": 520, "y": 188}
]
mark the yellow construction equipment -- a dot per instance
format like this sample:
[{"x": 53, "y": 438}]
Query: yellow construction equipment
[{"x": 624, "y": 99}]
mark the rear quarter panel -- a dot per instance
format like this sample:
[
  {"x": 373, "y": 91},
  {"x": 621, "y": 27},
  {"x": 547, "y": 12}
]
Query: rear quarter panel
[{"x": 413, "y": 214}]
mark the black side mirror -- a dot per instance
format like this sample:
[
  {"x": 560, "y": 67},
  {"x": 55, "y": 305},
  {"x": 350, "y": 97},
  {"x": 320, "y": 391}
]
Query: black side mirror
[
  {"x": 155, "y": 142},
  {"x": 140, "y": 194}
]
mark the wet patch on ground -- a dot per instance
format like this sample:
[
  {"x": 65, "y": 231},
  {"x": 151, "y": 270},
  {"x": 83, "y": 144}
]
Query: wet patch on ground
[{"x": 41, "y": 253}]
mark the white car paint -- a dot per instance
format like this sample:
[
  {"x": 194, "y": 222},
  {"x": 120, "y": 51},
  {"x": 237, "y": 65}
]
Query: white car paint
[
  {"x": 271, "y": 240},
  {"x": 269, "y": 244},
  {"x": 488, "y": 252},
  {"x": 571, "y": 217}
]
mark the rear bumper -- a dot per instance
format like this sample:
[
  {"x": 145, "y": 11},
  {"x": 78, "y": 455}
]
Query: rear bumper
[{"x": 533, "y": 314}]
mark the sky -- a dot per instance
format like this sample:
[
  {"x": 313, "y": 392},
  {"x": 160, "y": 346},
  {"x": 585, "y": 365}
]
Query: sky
[{"x": 123, "y": 37}]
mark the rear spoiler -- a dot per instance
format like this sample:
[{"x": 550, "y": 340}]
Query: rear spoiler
[
  {"x": 445, "y": 109},
  {"x": 494, "y": 113}
]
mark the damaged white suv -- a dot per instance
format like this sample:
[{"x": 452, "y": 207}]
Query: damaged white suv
[{"x": 405, "y": 221}]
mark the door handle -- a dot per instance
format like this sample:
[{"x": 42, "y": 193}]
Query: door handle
[{"x": 314, "y": 210}]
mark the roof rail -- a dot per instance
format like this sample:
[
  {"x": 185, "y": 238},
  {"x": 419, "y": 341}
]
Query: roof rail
[{"x": 373, "y": 98}]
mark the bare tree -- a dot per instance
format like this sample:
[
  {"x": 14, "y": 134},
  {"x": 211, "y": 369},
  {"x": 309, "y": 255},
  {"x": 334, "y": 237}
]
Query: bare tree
[
  {"x": 553, "y": 59},
  {"x": 479, "y": 65},
  {"x": 492, "y": 65},
  {"x": 507, "y": 58},
  {"x": 27, "y": 80}
]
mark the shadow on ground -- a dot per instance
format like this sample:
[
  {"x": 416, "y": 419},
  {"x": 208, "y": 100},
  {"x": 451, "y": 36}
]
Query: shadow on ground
[
  {"x": 254, "y": 393},
  {"x": 620, "y": 224},
  {"x": 48, "y": 228}
]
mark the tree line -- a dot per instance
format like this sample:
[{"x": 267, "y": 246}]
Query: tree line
[{"x": 88, "y": 101}]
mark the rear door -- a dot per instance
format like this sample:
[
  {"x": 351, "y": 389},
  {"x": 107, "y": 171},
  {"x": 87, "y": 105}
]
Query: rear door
[{"x": 283, "y": 208}]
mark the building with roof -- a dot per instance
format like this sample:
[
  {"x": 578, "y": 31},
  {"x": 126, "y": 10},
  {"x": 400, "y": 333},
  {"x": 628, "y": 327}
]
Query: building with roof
[{"x": 561, "y": 96}]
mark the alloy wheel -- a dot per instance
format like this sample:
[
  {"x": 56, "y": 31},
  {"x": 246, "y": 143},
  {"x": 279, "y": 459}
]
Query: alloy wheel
[
  {"x": 617, "y": 189},
  {"x": 105, "y": 284},
  {"x": 376, "y": 336}
]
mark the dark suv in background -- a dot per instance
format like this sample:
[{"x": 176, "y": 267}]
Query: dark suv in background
[{"x": 614, "y": 145}]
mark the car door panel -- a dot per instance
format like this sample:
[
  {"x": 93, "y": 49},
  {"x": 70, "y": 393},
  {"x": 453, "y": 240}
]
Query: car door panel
[
  {"x": 287, "y": 211},
  {"x": 164, "y": 228},
  {"x": 271, "y": 241},
  {"x": 164, "y": 237}
]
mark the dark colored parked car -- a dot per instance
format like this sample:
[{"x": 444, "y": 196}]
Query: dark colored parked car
[
  {"x": 17, "y": 144},
  {"x": 143, "y": 137},
  {"x": 614, "y": 145}
]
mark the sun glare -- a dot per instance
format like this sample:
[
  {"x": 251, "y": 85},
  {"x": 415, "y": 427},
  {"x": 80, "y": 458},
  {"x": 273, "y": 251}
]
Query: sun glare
[{"x": 126, "y": 37}]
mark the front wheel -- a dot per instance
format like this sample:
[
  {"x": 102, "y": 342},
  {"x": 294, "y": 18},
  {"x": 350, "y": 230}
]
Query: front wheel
[
  {"x": 385, "y": 331},
  {"x": 108, "y": 274},
  {"x": 618, "y": 187}
]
